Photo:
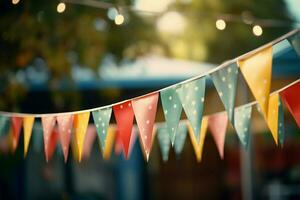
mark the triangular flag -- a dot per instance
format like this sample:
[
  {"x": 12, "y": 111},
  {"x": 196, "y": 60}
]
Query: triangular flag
[
  {"x": 133, "y": 138},
  {"x": 145, "y": 111},
  {"x": 172, "y": 110},
  {"x": 164, "y": 141},
  {"x": 124, "y": 116},
  {"x": 280, "y": 122},
  {"x": 89, "y": 141},
  {"x": 217, "y": 124},
  {"x": 290, "y": 97},
  {"x": 180, "y": 138},
  {"x": 101, "y": 120},
  {"x": 16, "y": 129},
  {"x": 48, "y": 125},
  {"x": 27, "y": 127},
  {"x": 295, "y": 42},
  {"x": 242, "y": 119},
  {"x": 191, "y": 95},
  {"x": 65, "y": 123},
  {"x": 198, "y": 146},
  {"x": 275, "y": 113},
  {"x": 4, "y": 125},
  {"x": 225, "y": 81},
  {"x": 109, "y": 142},
  {"x": 81, "y": 121},
  {"x": 257, "y": 71},
  {"x": 52, "y": 144}
]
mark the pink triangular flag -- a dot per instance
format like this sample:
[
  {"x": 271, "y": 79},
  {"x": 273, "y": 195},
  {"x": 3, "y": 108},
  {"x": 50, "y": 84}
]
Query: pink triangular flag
[
  {"x": 48, "y": 125},
  {"x": 89, "y": 141},
  {"x": 16, "y": 129},
  {"x": 65, "y": 123},
  {"x": 145, "y": 112},
  {"x": 52, "y": 144},
  {"x": 217, "y": 124}
]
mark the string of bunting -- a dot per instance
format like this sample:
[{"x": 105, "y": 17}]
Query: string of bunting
[{"x": 73, "y": 129}]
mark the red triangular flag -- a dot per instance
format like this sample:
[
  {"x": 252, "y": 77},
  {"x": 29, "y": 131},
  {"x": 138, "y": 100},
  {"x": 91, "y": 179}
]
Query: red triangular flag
[
  {"x": 16, "y": 130},
  {"x": 124, "y": 117},
  {"x": 291, "y": 98},
  {"x": 145, "y": 112},
  {"x": 217, "y": 124},
  {"x": 52, "y": 144},
  {"x": 65, "y": 123},
  {"x": 48, "y": 125},
  {"x": 89, "y": 141},
  {"x": 118, "y": 144}
]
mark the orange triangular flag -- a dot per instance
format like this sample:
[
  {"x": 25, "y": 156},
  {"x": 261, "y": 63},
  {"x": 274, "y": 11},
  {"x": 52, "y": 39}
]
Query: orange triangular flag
[
  {"x": 27, "y": 125},
  {"x": 109, "y": 142}
]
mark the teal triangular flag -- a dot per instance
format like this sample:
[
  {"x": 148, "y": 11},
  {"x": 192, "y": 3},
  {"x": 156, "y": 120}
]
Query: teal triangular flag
[
  {"x": 164, "y": 142},
  {"x": 225, "y": 81},
  {"x": 295, "y": 42},
  {"x": 280, "y": 123},
  {"x": 242, "y": 119},
  {"x": 101, "y": 119},
  {"x": 180, "y": 138},
  {"x": 4, "y": 125},
  {"x": 191, "y": 95},
  {"x": 172, "y": 110}
]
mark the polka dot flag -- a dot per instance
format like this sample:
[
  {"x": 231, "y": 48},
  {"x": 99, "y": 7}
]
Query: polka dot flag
[
  {"x": 16, "y": 130},
  {"x": 295, "y": 42},
  {"x": 191, "y": 95},
  {"x": 4, "y": 124},
  {"x": 242, "y": 118},
  {"x": 164, "y": 141},
  {"x": 180, "y": 139},
  {"x": 101, "y": 120},
  {"x": 124, "y": 117},
  {"x": 225, "y": 81},
  {"x": 257, "y": 71},
  {"x": 48, "y": 125},
  {"x": 65, "y": 123},
  {"x": 172, "y": 109},
  {"x": 145, "y": 111}
]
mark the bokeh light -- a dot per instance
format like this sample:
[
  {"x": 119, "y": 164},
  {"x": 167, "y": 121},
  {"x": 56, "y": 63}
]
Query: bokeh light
[
  {"x": 171, "y": 22},
  {"x": 257, "y": 30},
  {"x": 15, "y": 1},
  {"x": 119, "y": 19},
  {"x": 220, "y": 24},
  {"x": 61, "y": 7}
]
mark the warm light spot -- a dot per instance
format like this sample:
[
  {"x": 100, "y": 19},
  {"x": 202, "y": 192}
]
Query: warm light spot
[
  {"x": 119, "y": 19},
  {"x": 171, "y": 22},
  {"x": 15, "y": 1},
  {"x": 257, "y": 30},
  {"x": 220, "y": 24},
  {"x": 61, "y": 7}
]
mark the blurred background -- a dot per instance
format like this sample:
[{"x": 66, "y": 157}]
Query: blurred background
[{"x": 58, "y": 56}]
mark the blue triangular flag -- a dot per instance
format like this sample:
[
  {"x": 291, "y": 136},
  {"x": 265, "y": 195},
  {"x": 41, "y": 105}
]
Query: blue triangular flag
[
  {"x": 164, "y": 141},
  {"x": 191, "y": 95},
  {"x": 180, "y": 138},
  {"x": 4, "y": 124},
  {"x": 225, "y": 81},
  {"x": 280, "y": 122},
  {"x": 295, "y": 42},
  {"x": 172, "y": 109},
  {"x": 242, "y": 119}
]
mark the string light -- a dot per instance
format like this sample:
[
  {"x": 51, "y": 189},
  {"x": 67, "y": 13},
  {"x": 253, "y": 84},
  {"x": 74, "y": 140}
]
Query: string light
[
  {"x": 61, "y": 7},
  {"x": 220, "y": 24},
  {"x": 15, "y": 2},
  {"x": 119, "y": 19},
  {"x": 257, "y": 30}
]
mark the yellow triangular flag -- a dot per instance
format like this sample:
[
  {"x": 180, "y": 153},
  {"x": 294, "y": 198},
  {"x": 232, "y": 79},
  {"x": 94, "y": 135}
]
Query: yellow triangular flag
[
  {"x": 27, "y": 125},
  {"x": 257, "y": 71},
  {"x": 198, "y": 147},
  {"x": 81, "y": 121},
  {"x": 273, "y": 115},
  {"x": 109, "y": 143}
]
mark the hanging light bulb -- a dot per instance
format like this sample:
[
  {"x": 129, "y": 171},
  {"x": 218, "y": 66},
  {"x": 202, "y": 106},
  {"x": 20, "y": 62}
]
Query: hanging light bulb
[
  {"x": 220, "y": 24},
  {"x": 119, "y": 19},
  {"x": 61, "y": 7},
  {"x": 257, "y": 30},
  {"x": 15, "y": 2}
]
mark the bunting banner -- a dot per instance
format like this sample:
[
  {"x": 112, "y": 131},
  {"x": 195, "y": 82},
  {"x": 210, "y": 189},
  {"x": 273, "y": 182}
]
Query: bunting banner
[
  {"x": 225, "y": 81},
  {"x": 217, "y": 124},
  {"x": 124, "y": 117},
  {"x": 257, "y": 71},
  {"x": 192, "y": 97},
  {"x": 81, "y": 121},
  {"x": 291, "y": 98},
  {"x": 172, "y": 110},
  {"x": 198, "y": 146},
  {"x": 48, "y": 125},
  {"x": 27, "y": 127},
  {"x": 16, "y": 129},
  {"x": 65, "y": 124},
  {"x": 295, "y": 42},
  {"x": 145, "y": 111},
  {"x": 180, "y": 139},
  {"x": 242, "y": 122},
  {"x": 101, "y": 121}
]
